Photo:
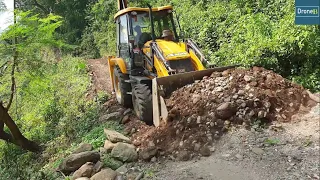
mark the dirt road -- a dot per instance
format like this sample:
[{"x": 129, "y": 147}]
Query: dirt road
[
  {"x": 291, "y": 153},
  {"x": 282, "y": 151},
  {"x": 100, "y": 73}
]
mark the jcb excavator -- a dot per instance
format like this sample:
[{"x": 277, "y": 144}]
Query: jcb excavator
[{"x": 148, "y": 66}]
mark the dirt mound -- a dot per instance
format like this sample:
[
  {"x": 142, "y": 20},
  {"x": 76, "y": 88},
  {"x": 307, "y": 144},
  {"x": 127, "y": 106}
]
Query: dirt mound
[{"x": 201, "y": 112}]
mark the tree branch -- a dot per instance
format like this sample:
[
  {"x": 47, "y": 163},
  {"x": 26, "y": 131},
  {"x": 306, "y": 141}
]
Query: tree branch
[
  {"x": 16, "y": 136},
  {"x": 13, "y": 84},
  {"x": 35, "y": 2}
]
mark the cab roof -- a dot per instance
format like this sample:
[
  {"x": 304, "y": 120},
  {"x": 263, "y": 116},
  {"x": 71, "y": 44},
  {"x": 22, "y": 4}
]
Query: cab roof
[{"x": 130, "y": 9}]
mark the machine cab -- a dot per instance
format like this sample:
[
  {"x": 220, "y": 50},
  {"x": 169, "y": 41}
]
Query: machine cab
[{"x": 135, "y": 28}]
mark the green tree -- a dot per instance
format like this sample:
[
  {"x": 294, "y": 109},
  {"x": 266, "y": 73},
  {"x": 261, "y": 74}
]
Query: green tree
[{"x": 18, "y": 48}]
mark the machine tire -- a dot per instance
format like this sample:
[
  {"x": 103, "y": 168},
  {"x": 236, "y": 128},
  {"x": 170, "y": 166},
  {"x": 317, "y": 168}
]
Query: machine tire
[
  {"x": 121, "y": 88},
  {"x": 142, "y": 103}
]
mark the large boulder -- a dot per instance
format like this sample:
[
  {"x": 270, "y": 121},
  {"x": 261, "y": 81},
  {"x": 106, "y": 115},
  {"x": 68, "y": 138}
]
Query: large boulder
[
  {"x": 108, "y": 145},
  {"x": 111, "y": 116},
  {"x": 83, "y": 147},
  {"x": 105, "y": 174},
  {"x": 75, "y": 161},
  {"x": 148, "y": 153},
  {"x": 225, "y": 111},
  {"x": 86, "y": 170},
  {"x": 124, "y": 152},
  {"x": 97, "y": 167},
  {"x": 115, "y": 137},
  {"x": 83, "y": 178}
]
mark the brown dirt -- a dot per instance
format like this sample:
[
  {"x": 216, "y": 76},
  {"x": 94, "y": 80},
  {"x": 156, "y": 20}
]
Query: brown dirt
[
  {"x": 100, "y": 75},
  {"x": 252, "y": 97}
]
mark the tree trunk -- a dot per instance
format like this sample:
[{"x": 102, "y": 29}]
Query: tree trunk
[{"x": 16, "y": 138}]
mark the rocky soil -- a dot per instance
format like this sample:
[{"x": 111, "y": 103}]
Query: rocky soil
[
  {"x": 238, "y": 124},
  {"x": 278, "y": 152},
  {"x": 200, "y": 113}
]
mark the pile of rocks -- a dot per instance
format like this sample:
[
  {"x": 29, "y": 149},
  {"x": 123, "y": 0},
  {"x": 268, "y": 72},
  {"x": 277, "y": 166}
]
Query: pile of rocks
[
  {"x": 201, "y": 112},
  {"x": 85, "y": 163}
]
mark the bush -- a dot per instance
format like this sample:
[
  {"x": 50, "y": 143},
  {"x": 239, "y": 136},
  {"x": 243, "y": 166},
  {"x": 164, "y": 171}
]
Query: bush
[{"x": 50, "y": 107}]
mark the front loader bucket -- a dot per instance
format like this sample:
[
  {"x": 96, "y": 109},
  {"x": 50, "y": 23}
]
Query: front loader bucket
[{"x": 163, "y": 87}]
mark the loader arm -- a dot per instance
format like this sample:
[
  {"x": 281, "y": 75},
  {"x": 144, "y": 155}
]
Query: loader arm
[{"x": 122, "y": 4}]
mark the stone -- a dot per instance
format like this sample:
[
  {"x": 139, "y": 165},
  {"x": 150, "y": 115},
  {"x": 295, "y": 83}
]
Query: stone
[
  {"x": 154, "y": 159},
  {"x": 196, "y": 98},
  {"x": 108, "y": 145},
  {"x": 124, "y": 152},
  {"x": 125, "y": 119},
  {"x": 102, "y": 150},
  {"x": 235, "y": 96},
  {"x": 239, "y": 156},
  {"x": 83, "y": 147},
  {"x": 83, "y": 178},
  {"x": 197, "y": 147},
  {"x": 262, "y": 114},
  {"x": 228, "y": 99},
  {"x": 111, "y": 116},
  {"x": 199, "y": 120},
  {"x": 247, "y": 78},
  {"x": 120, "y": 177},
  {"x": 127, "y": 112},
  {"x": 218, "y": 89},
  {"x": 241, "y": 92},
  {"x": 151, "y": 144},
  {"x": 105, "y": 174},
  {"x": 115, "y": 136},
  {"x": 183, "y": 156},
  {"x": 97, "y": 167},
  {"x": 86, "y": 170},
  {"x": 225, "y": 111},
  {"x": 205, "y": 151},
  {"x": 258, "y": 151},
  {"x": 212, "y": 149},
  {"x": 122, "y": 170},
  {"x": 226, "y": 72},
  {"x": 75, "y": 161},
  {"x": 148, "y": 153}
]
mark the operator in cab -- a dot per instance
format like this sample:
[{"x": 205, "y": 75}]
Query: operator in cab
[{"x": 167, "y": 35}]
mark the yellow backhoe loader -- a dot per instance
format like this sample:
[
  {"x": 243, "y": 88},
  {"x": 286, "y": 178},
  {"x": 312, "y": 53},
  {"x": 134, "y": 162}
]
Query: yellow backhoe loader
[{"x": 152, "y": 61}]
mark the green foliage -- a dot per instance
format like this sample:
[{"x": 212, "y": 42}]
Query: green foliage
[
  {"x": 96, "y": 136},
  {"x": 2, "y": 6},
  {"x": 272, "y": 142},
  {"x": 50, "y": 108},
  {"x": 110, "y": 162},
  {"x": 101, "y": 30}
]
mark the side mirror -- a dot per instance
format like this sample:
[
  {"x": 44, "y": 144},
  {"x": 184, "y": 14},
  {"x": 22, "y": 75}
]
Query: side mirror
[{"x": 182, "y": 35}]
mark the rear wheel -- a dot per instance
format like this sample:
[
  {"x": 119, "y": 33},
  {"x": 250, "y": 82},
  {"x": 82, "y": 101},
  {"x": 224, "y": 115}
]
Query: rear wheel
[
  {"x": 122, "y": 88},
  {"x": 142, "y": 103}
]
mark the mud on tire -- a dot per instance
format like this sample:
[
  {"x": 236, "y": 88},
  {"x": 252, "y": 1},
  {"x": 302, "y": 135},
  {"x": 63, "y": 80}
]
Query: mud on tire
[
  {"x": 142, "y": 103},
  {"x": 121, "y": 88}
]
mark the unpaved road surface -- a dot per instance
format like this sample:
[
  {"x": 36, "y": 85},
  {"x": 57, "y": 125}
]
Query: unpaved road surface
[
  {"x": 100, "y": 72},
  {"x": 268, "y": 154},
  {"x": 283, "y": 151}
]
